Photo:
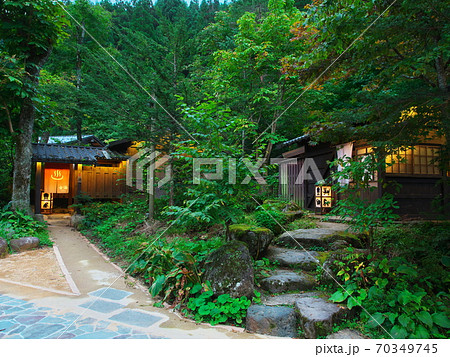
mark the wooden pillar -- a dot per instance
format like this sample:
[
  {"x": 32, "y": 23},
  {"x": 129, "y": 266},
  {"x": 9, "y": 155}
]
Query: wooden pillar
[
  {"x": 79, "y": 173},
  {"x": 38, "y": 190},
  {"x": 71, "y": 184}
]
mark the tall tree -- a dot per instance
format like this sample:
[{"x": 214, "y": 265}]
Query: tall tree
[
  {"x": 73, "y": 57},
  {"x": 248, "y": 76},
  {"x": 380, "y": 67},
  {"x": 28, "y": 31}
]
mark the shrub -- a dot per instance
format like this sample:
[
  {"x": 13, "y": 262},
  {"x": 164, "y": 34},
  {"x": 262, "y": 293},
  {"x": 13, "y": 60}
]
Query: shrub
[
  {"x": 16, "y": 224},
  {"x": 218, "y": 310},
  {"x": 272, "y": 215},
  {"x": 394, "y": 301}
]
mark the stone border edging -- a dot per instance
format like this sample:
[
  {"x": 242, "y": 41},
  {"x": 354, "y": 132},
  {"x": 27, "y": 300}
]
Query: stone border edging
[
  {"x": 66, "y": 272},
  {"x": 38, "y": 287}
]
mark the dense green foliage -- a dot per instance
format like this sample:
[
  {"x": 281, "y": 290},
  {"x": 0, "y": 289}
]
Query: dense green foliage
[
  {"x": 16, "y": 224},
  {"x": 222, "y": 309},
  {"x": 210, "y": 80},
  {"x": 402, "y": 289}
]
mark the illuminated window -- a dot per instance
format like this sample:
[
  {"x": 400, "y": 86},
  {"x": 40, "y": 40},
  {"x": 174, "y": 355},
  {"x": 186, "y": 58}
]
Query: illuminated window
[
  {"x": 361, "y": 154},
  {"x": 418, "y": 160}
]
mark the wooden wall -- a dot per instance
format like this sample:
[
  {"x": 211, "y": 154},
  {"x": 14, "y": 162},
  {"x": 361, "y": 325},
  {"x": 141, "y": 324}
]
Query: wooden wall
[
  {"x": 103, "y": 182},
  {"x": 417, "y": 196}
]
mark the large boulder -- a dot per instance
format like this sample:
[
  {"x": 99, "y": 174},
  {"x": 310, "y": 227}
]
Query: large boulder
[
  {"x": 22, "y": 244},
  {"x": 272, "y": 320},
  {"x": 257, "y": 239},
  {"x": 3, "y": 248},
  {"x": 76, "y": 220},
  {"x": 229, "y": 269},
  {"x": 282, "y": 281},
  {"x": 317, "y": 316}
]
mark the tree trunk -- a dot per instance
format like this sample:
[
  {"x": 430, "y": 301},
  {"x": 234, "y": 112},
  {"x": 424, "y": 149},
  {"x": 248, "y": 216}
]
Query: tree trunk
[
  {"x": 172, "y": 180},
  {"x": 78, "y": 78},
  {"x": 23, "y": 156},
  {"x": 22, "y": 161},
  {"x": 45, "y": 137},
  {"x": 151, "y": 188}
]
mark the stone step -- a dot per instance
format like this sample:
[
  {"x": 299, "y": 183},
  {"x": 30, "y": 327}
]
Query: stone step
[
  {"x": 282, "y": 281},
  {"x": 288, "y": 299},
  {"x": 278, "y": 321},
  {"x": 291, "y": 257},
  {"x": 317, "y": 315},
  {"x": 316, "y": 237}
]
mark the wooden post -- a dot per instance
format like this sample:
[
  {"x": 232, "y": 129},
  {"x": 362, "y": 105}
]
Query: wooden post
[
  {"x": 151, "y": 187},
  {"x": 78, "y": 182},
  {"x": 71, "y": 185},
  {"x": 37, "y": 193}
]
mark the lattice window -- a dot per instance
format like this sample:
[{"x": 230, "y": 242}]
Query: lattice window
[{"x": 418, "y": 160}]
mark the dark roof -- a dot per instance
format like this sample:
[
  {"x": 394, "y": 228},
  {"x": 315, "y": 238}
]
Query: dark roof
[
  {"x": 119, "y": 142},
  {"x": 72, "y": 139},
  {"x": 297, "y": 140},
  {"x": 73, "y": 154}
]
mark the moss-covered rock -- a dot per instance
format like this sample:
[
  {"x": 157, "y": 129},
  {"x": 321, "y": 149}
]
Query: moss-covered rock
[
  {"x": 257, "y": 239},
  {"x": 229, "y": 269},
  {"x": 317, "y": 237},
  {"x": 322, "y": 257}
]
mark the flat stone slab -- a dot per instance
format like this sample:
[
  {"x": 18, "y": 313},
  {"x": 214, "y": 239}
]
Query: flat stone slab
[
  {"x": 346, "y": 334},
  {"x": 102, "y": 306},
  {"x": 272, "y": 320},
  {"x": 136, "y": 318},
  {"x": 291, "y": 257},
  {"x": 286, "y": 280},
  {"x": 317, "y": 315},
  {"x": 307, "y": 237},
  {"x": 97, "y": 335},
  {"x": 288, "y": 299},
  {"x": 42, "y": 330},
  {"x": 110, "y": 293}
]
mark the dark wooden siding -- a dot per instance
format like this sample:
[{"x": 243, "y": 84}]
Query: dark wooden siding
[
  {"x": 288, "y": 189},
  {"x": 303, "y": 192},
  {"x": 417, "y": 196}
]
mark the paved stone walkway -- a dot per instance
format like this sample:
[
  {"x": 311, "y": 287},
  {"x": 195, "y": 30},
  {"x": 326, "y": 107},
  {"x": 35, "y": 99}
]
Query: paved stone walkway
[
  {"x": 104, "y": 304},
  {"x": 21, "y": 319}
]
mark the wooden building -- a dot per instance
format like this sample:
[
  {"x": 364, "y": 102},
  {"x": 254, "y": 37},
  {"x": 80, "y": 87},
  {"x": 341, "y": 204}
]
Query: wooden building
[
  {"x": 422, "y": 190},
  {"x": 65, "y": 171}
]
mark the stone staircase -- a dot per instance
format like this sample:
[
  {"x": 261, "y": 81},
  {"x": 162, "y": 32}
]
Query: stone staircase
[{"x": 296, "y": 305}]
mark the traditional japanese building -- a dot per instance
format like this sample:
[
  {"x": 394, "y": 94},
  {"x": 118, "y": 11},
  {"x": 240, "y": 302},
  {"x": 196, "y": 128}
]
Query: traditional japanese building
[
  {"x": 64, "y": 172},
  {"x": 412, "y": 175}
]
